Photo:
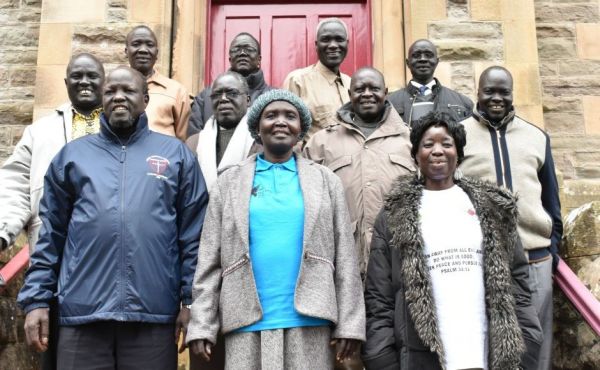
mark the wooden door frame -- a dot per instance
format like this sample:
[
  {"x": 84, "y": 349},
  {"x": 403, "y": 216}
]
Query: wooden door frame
[{"x": 192, "y": 25}]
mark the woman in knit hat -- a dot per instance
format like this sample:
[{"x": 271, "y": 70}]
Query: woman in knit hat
[{"x": 277, "y": 271}]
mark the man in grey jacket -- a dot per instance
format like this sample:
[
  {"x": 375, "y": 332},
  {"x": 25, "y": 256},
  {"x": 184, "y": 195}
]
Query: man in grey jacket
[{"x": 22, "y": 175}]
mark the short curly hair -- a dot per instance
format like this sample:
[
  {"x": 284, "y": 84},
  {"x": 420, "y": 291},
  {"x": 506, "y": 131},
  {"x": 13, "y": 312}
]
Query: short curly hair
[
  {"x": 435, "y": 119},
  {"x": 255, "y": 111}
]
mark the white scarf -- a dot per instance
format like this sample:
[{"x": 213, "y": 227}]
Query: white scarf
[{"x": 237, "y": 150}]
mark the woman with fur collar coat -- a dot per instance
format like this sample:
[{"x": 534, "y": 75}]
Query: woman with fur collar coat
[{"x": 446, "y": 284}]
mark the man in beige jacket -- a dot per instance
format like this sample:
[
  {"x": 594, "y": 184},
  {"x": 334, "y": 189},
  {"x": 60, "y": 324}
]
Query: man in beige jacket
[
  {"x": 322, "y": 86},
  {"x": 367, "y": 145}
]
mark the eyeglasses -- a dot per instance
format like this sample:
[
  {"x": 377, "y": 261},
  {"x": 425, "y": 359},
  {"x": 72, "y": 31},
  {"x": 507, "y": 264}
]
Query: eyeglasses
[
  {"x": 229, "y": 94},
  {"x": 237, "y": 50}
]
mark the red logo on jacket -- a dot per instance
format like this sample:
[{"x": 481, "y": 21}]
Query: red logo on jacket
[{"x": 157, "y": 165}]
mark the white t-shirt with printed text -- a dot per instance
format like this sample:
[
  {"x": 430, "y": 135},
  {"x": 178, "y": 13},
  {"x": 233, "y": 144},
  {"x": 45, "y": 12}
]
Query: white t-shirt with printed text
[{"x": 454, "y": 257}]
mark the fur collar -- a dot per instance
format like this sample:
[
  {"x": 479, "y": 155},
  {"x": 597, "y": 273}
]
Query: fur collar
[{"x": 497, "y": 212}]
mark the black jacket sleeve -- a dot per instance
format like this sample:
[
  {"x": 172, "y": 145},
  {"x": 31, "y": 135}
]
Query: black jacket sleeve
[
  {"x": 526, "y": 314},
  {"x": 379, "y": 350},
  {"x": 201, "y": 111},
  {"x": 551, "y": 201}
]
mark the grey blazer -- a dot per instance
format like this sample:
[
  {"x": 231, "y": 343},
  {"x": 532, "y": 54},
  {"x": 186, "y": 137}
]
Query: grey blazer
[{"x": 328, "y": 286}]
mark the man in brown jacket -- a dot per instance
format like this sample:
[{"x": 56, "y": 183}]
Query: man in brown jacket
[
  {"x": 169, "y": 108},
  {"x": 367, "y": 145}
]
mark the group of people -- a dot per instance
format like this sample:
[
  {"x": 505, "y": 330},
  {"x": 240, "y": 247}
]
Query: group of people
[{"x": 328, "y": 224}]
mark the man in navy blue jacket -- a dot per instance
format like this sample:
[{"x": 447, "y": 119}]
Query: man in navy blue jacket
[{"x": 122, "y": 215}]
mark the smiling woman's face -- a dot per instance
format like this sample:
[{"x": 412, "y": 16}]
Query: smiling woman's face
[
  {"x": 437, "y": 158},
  {"x": 279, "y": 130}
]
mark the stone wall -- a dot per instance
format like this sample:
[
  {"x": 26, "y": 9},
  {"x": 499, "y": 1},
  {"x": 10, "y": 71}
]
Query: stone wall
[
  {"x": 19, "y": 27},
  {"x": 569, "y": 54}
]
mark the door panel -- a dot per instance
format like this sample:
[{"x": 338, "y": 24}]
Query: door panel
[{"x": 286, "y": 33}]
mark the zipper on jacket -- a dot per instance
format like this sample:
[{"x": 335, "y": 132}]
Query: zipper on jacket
[
  {"x": 122, "y": 158},
  {"x": 312, "y": 256},
  {"x": 501, "y": 157},
  {"x": 236, "y": 265},
  {"x": 409, "y": 123}
]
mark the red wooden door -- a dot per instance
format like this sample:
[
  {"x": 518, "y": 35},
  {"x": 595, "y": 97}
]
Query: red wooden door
[{"x": 286, "y": 33}]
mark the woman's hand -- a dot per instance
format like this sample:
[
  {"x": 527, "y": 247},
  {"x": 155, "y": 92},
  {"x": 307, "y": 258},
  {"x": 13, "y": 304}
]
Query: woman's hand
[
  {"x": 202, "y": 348},
  {"x": 345, "y": 348}
]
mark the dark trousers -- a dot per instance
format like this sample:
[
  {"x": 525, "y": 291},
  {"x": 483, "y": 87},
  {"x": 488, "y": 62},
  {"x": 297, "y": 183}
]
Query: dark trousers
[{"x": 111, "y": 345}]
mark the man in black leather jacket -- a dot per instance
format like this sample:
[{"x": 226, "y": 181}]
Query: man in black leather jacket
[{"x": 424, "y": 93}]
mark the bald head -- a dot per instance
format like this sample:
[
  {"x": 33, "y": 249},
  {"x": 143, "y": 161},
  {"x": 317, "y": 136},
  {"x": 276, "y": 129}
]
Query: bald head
[
  {"x": 367, "y": 94},
  {"x": 125, "y": 98},
  {"x": 422, "y": 60},
  {"x": 84, "y": 79},
  {"x": 495, "y": 93},
  {"x": 85, "y": 56},
  {"x": 364, "y": 72},
  {"x": 496, "y": 72}
]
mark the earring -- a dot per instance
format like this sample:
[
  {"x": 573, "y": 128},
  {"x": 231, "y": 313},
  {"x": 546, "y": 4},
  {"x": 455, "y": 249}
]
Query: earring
[
  {"x": 419, "y": 174},
  {"x": 458, "y": 175}
]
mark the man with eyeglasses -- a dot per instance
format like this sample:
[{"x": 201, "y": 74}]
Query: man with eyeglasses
[
  {"x": 244, "y": 58},
  {"x": 225, "y": 139}
]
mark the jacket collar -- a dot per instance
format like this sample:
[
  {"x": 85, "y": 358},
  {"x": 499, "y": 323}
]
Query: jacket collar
[
  {"x": 491, "y": 205},
  {"x": 263, "y": 165},
  {"x": 413, "y": 90},
  {"x": 328, "y": 73},
  {"x": 66, "y": 112},
  {"x": 158, "y": 79},
  {"x": 480, "y": 117},
  {"x": 391, "y": 125},
  {"x": 256, "y": 80},
  {"x": 311, "y": 185},
  {"x": 141, "y": 129}
]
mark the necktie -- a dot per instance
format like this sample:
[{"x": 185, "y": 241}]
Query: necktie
[{"x": 423, "y": 89}]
